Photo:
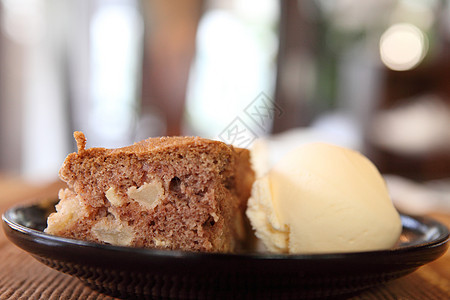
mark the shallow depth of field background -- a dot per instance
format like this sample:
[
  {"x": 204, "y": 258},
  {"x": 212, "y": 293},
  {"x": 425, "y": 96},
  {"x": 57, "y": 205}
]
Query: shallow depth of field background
[{"x": 370, "y": 75}]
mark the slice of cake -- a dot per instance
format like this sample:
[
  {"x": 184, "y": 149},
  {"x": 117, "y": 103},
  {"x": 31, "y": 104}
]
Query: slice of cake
[{"x": 183, "y": 193}]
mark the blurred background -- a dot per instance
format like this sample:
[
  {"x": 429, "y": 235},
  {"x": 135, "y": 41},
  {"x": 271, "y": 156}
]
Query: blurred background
[{"x": 370, "y": 75}]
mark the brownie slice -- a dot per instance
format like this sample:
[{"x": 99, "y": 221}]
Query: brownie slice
[{"x": 185, "y": 193}]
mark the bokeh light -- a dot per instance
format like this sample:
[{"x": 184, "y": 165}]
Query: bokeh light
[{"x": 403, "y": 46}]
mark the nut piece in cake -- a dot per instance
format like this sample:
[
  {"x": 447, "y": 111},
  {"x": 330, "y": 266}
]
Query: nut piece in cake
[{"x": 148, "y": 195}]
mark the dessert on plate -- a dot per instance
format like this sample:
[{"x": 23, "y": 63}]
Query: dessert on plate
[
  {"x": 322, "y": 198},
  {"x": 185, "y": 193},
  {"x": 191, "y": 193}
]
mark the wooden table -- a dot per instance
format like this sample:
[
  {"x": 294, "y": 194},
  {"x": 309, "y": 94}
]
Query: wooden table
[{"x": 22, "y": 277}]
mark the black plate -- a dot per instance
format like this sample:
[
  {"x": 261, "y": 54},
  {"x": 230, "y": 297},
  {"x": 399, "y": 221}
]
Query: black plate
[{"x": 132, "y": 272}]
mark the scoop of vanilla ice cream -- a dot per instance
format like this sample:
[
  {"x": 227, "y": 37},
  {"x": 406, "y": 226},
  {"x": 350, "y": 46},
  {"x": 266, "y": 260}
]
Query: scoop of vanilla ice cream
[{"x": 322, "y": 198}]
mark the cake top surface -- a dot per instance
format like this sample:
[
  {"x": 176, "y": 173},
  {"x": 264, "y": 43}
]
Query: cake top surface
[
  {"x": 153, "y": 144},
  {"x": 162, "y": 151}
]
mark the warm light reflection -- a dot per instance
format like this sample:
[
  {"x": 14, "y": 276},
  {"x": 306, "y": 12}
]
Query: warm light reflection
[{"x": 403, "y": 46}]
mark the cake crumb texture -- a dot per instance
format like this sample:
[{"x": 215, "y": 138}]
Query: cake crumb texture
[{"x": 185, "y": 193}]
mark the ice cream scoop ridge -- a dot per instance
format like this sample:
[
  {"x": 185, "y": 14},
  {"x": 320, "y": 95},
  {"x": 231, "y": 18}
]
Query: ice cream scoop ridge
[{"x": 322, "y": 198}]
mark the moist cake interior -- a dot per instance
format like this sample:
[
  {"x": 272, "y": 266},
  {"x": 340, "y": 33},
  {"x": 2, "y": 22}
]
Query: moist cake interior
[{"x": 183, "y": 193}]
